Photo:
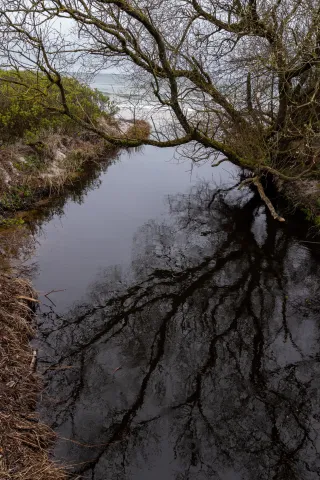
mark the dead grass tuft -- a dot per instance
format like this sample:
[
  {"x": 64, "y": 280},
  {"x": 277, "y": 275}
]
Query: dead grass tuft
[
  {"x": 24, "y": 441},
  {"x": 139, "y": 130}
]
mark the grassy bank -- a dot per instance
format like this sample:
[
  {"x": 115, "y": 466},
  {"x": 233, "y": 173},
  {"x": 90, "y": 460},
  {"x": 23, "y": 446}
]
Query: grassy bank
[
  {"x": 303, "y": 195},
  {"x": 29, "y": 174}
]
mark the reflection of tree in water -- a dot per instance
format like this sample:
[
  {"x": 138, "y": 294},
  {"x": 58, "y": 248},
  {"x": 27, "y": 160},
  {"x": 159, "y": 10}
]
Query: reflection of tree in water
[{"x": 216, "y": 334}]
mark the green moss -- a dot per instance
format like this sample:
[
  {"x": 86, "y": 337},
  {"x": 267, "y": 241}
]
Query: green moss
[
  {"x": 11, "y": 222},
  {"x": 16, "y": 198},
  {"x": 308, "y": 214},
  {"x": 31, "y": 164},
  {"x": 317, "y": 220}
]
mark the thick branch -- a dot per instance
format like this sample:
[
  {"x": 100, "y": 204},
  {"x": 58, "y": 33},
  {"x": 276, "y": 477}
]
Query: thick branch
[{"x": 266, "y": 200}]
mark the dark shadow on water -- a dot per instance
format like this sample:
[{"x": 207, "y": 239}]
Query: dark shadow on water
[{"x": 202, "y": 361}]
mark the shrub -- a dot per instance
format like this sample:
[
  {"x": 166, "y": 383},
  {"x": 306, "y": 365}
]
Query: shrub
[
  {"x": 28, "y": 101},
  {"x": 11, "y": 222},
  {"x": 140, "y": 130}
]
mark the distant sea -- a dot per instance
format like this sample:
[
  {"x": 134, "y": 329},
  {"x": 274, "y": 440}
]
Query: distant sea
[
  {"x": 132, "y": 100},
  {"x": 116, "y": 86},
  {"x": 119, "y": 88}
]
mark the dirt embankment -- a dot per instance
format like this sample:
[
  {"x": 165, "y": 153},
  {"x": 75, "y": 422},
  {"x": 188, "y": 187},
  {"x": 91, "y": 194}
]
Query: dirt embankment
[
  {"x": 29, "y": 172},
  {"x": 303, "y": 195}
]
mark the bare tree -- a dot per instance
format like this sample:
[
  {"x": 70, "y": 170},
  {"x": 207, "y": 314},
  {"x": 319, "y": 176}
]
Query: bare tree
[{"x": 240, "y": 77}]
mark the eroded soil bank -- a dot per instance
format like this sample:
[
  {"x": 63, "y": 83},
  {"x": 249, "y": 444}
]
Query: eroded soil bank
[{"x": 34, "y": 171}]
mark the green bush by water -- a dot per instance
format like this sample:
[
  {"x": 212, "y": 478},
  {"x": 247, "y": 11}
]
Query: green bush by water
[
  {"x": 28, "y": 101},
  {"x": 11, "y": 222},
  {"x": 15, "y": 198}
]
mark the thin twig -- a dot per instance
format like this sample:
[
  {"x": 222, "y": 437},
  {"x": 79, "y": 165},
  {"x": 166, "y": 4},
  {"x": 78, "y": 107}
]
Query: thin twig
[
  {"x": 86, "y": 444},
  {"x": 116, "y": 370},
  {"x": 54, "y": 291}
]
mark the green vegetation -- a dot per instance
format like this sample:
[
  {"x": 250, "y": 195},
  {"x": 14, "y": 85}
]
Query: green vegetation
[
  {"x": 30, "y": 103},
  {"x": 32, "y": 163},
  {"x": 11, "y": 222},
  {"x": 15, "y": 198},
  {"x": 308, "y": 214}
]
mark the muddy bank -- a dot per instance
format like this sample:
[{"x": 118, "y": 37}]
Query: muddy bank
[{"x": 303, "y": 195}]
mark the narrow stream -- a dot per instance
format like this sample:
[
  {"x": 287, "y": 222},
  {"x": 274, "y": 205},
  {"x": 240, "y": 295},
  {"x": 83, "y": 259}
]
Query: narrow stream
[{"x": 183, "y": 342}]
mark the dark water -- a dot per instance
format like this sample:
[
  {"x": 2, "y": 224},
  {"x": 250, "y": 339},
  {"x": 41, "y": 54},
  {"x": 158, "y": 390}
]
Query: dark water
[{"x": 186, "y": 345}]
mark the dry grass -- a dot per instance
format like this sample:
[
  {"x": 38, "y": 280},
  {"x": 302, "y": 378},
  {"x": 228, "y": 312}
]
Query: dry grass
[
  {"x": 24, "y": 441},
  {"x": 139, "y": 130},
  {"x": 303, "y": 195},
  {"x": 60, "y": 160},
  {"x": 62, "y": 171}
]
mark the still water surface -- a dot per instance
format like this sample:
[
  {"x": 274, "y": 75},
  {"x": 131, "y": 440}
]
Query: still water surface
[
  {"x": 185, "y": 341},
  {"x": 96, "y": 231}
]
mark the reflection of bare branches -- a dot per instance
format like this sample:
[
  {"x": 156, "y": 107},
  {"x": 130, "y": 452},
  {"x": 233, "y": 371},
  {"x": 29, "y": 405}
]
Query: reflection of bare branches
[{"x": 218, "y": 371}]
